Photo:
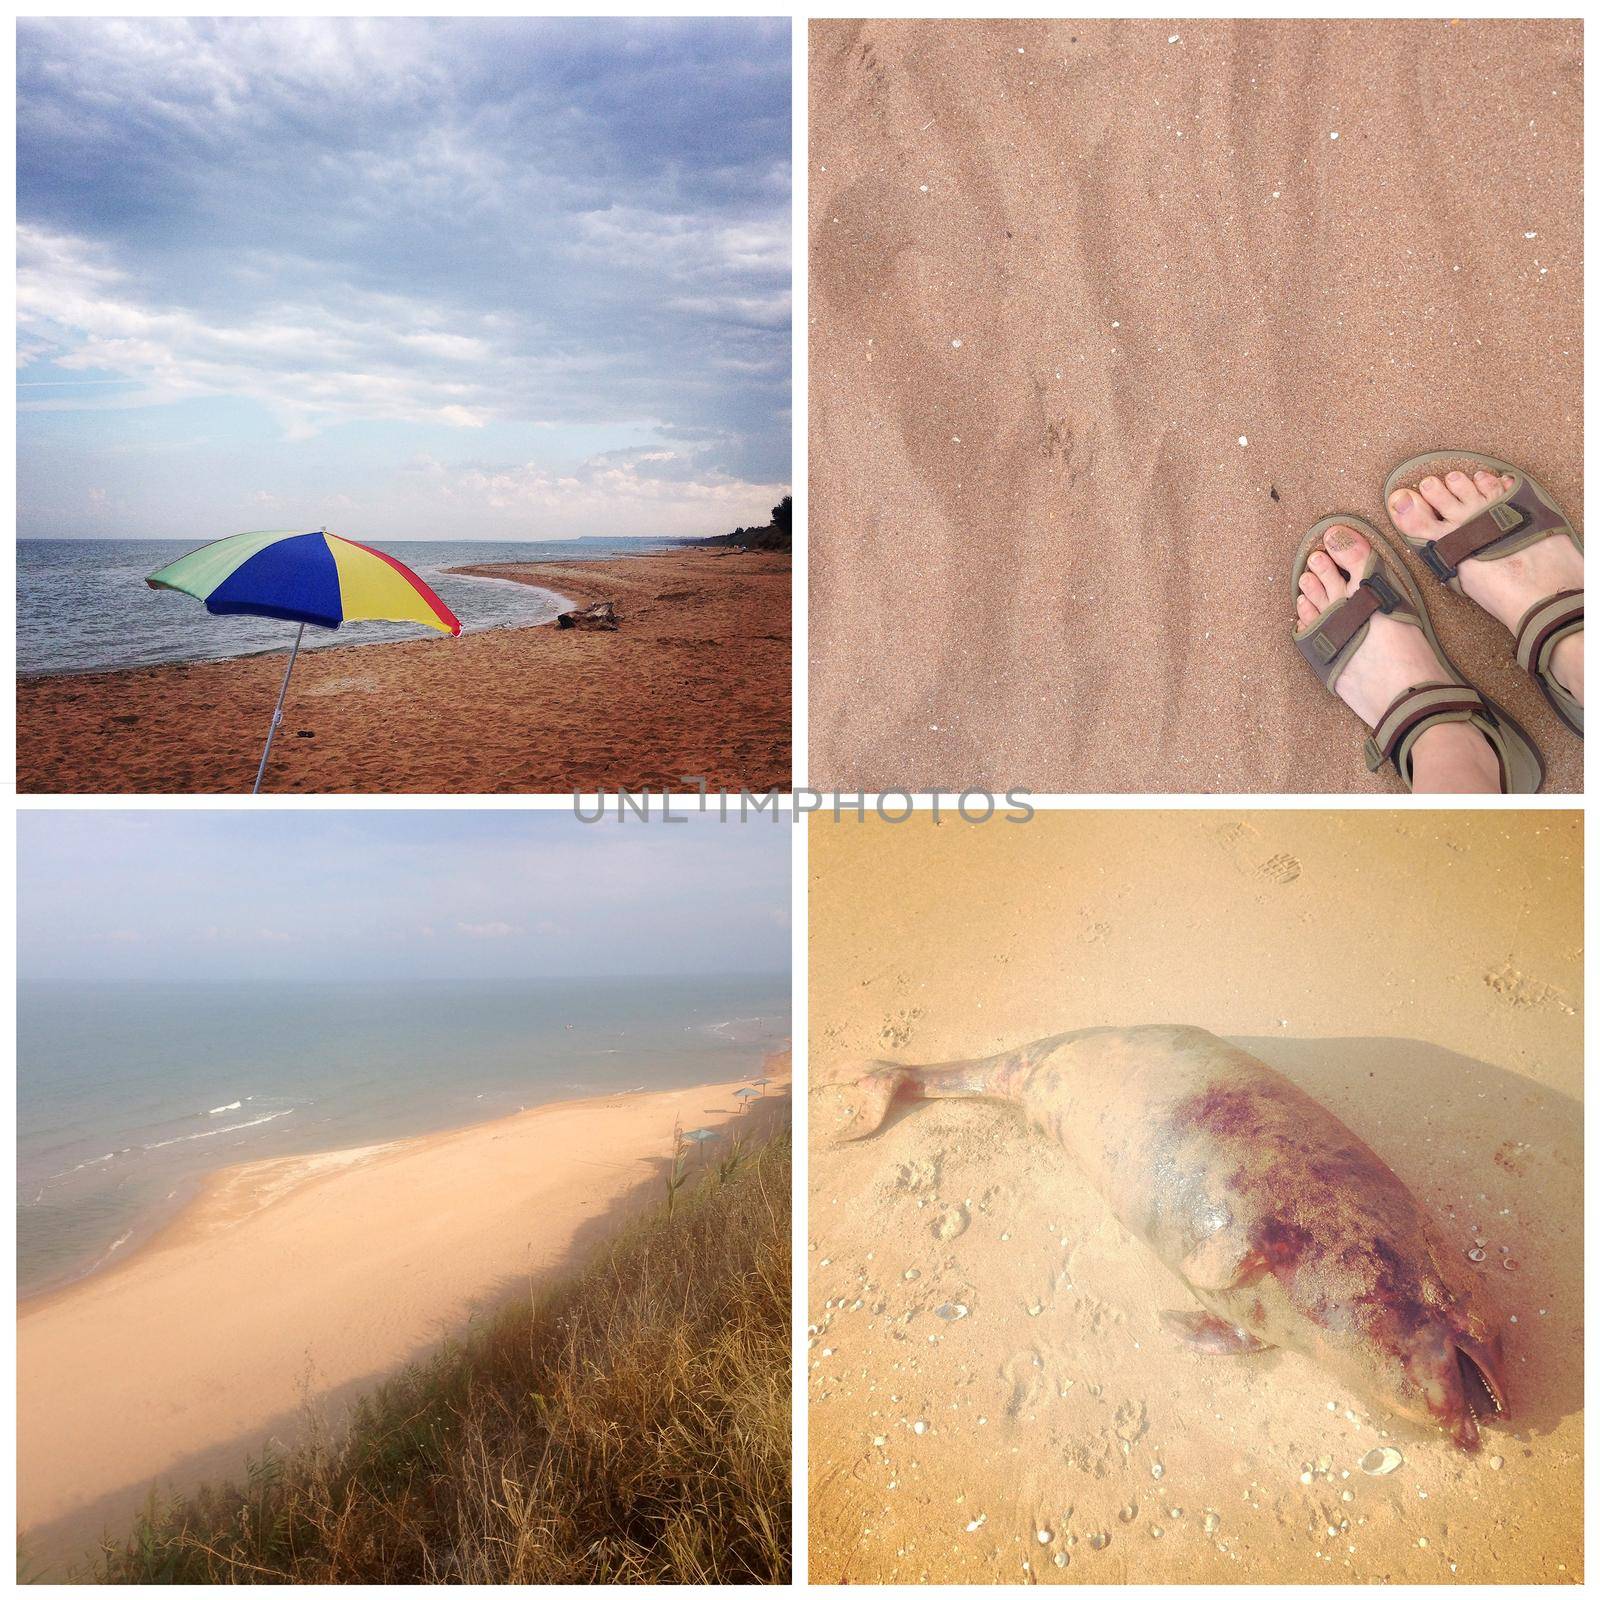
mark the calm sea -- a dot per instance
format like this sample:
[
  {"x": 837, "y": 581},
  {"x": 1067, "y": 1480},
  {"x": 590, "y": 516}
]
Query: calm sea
[
  {"x": 129, "y": 1093},
  {"x": 83, "y": 604}
]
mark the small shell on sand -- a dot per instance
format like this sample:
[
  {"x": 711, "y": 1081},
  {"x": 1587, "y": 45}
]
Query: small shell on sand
[
  {"x": 950, "y": 1311},
  {"x": 1212, "y": 1522},
  {"x": 1477, "y": 1255},
  {"x": 1381, "y": 1461},
  {"x": 1098, "y": 1541}
]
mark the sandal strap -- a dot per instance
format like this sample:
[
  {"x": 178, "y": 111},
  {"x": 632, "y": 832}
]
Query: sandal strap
[
  {"x": 1544, "y": 626},
  {"x": 1414, "y": 711},
  {"x": 1523, "y": 515},
  {"x": 1340, "y": 623}
]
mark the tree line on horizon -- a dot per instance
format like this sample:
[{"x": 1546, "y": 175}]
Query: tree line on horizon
[{"x": 775, "y": 535}]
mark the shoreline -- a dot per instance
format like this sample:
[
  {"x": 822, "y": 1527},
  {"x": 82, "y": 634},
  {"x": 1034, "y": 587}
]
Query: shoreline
[
  {"x": 147, "y": 1231},
  {"x": 303, "y": 1280},
  {"x": 695, "y": 681},
  {"x": 488, "y": 571}
]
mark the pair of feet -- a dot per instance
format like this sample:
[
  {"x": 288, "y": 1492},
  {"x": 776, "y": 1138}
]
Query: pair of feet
[{"x": 1450, "y": 757}]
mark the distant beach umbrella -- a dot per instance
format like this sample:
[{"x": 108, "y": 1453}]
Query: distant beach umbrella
[
  {"x": 316, "y": 578},
  {"x": 698, "y": 1136},
  {"x": 747, "y": 1095}
]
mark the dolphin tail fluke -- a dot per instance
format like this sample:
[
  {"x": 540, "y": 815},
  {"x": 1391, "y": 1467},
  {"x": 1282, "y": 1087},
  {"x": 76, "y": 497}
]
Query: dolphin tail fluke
[{"x": 880, "y": 1083}]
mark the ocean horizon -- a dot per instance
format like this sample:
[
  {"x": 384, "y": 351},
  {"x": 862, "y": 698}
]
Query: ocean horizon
[
  {"x": 83, "y": 604},
  {"x": 131, "y": 1093}
]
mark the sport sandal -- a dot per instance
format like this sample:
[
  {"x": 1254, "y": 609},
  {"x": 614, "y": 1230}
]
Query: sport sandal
[
  {"x": 1336, "y": 635},
  {"x": 1520, "y": 517}
]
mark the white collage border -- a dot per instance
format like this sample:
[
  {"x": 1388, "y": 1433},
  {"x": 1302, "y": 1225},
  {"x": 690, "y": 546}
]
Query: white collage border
[{"x": 800, "y": 16}]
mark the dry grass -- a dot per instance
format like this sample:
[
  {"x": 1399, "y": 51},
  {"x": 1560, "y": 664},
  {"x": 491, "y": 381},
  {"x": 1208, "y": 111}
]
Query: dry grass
[{"x": 630, "y": 1425}]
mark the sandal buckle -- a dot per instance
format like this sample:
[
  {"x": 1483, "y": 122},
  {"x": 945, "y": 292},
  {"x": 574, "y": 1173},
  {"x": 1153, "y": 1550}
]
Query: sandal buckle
[
  {"x": 1380, "y": 586},
  {"x": 1435, "y": 563}
]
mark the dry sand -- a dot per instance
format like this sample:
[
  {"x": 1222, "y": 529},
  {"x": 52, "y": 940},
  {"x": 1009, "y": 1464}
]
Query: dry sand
[
  {"x": 1418, "y": 972},
  {"x": 310, "y": 1278},
  {"x": 1060, "y": 271},
  {"x": 696, "y": 683}
]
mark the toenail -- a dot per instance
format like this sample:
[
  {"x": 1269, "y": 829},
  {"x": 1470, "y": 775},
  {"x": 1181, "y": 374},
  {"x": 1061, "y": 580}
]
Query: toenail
[
  {"x": 1400, "y": 501},
  {"x": 1430, "y": 483},
  {"x": 1336, "y": 539},
  {"x": 1458, "y": 477}
]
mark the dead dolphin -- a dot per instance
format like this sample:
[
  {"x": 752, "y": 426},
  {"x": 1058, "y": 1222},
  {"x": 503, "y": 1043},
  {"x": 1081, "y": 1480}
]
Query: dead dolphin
[{"x": 1286, "y": 1227}]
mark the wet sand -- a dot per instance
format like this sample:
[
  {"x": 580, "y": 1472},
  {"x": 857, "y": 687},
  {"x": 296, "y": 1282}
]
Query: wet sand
[
  {"x": 302, "y": 1281},
  {"x": 695, "y": 683},
  {"x": 1061, "y": 272},
  {"x": 1419, "y": 973}
]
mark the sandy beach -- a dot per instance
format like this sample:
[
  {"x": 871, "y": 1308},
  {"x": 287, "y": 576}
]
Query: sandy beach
[
  {"x": 695, "y": 683},
  {"x": 1419, "y": 974},
  {"x": 1104, "y": 316},
  {"x": 304, "y": 1281}
]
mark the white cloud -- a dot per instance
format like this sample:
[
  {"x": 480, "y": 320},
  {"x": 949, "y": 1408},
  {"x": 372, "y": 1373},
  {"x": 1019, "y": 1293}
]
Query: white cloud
[{"x": 487, "y": 930}]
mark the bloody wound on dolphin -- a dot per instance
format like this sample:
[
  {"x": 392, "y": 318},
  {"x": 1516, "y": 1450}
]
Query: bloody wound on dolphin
[{"x": 1286, "y": 1227}]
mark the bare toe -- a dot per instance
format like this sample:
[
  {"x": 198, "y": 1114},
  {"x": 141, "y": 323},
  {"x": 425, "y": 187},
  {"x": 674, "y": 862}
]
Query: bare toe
[
  {"x": 1332, "y": 578},
  {"x": 1305, "y": 611},
  {"x": 1490, "y": 484},
  {"x": 1437, "y": 493},
  {"x": 1311, "y": 587},
  {"x": 1349, "y": 549},
  {"x": 1464, "y": 489},
  {"x": 1413, "y": 515}
]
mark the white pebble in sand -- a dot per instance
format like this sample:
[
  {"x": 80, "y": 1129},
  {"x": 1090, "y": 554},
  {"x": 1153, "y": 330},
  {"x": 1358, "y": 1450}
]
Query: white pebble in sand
[
  {"x": 1530, "y": 236},
  {"x": 1333, "y": 136},
  {"x": 1243, "y": 440},
  {"x": 955, "y": 344}
]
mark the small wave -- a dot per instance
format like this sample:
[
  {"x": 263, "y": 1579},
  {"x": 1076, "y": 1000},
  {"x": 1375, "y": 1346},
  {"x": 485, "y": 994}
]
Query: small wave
[
  {"x": 211, "y": 1133},
  {"x": 116, "y": 1245},
  {"x": 233, "y": 1105},
  {"x": 67, "y": 1172}
]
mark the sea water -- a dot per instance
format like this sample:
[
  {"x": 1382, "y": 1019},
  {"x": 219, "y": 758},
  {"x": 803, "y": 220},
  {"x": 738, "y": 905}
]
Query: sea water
[
  {"x": 129, "y": 1093},
  {"x": 83, "y": 604}
]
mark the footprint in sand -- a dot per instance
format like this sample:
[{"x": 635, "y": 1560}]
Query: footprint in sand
[
  {"x": 1518, "y": 989},
  {"x": 1281, "y": 868},
  {"x": 1024, "y": 1379},
  {"x": 951, "y": 1223},
  {"x": 897, "y": 1030}
]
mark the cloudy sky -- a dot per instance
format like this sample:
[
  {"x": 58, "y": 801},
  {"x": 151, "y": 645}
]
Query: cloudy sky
[
  {"x": 411, "y": 279},
  {"x": 397, "y": 894}
]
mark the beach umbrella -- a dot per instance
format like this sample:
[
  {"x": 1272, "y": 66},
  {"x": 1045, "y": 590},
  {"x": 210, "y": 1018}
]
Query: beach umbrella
[
  {"x": 310, "y": 578},
  {"x": 747, "y": 1095},
  {"x": 698, "y": 1136}
]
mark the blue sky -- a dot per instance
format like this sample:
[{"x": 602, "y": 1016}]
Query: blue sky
[
  {"x": 396, "y": 894},
  {"x": 408, "y": 278}
]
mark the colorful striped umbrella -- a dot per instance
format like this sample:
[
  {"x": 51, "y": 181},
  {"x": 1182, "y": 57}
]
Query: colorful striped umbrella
[{"x": 315, "y": 578}]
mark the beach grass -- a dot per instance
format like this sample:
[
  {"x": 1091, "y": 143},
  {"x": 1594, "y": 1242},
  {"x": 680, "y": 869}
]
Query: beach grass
[{"x": 629, "y": 1424}]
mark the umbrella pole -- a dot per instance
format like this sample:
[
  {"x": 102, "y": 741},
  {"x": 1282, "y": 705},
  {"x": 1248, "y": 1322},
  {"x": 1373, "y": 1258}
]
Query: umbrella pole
[{"x": 277, "y": 710}]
